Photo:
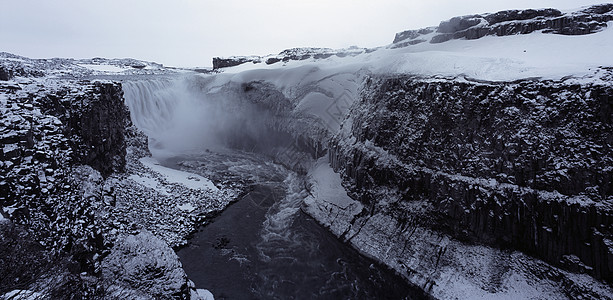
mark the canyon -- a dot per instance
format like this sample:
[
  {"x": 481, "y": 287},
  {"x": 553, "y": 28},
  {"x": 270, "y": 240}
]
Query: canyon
[{"x": 472, "y": 159}]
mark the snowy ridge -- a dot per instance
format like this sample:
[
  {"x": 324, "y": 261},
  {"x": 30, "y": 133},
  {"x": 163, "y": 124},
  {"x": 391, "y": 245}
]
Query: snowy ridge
[
  {"x": 508, "y": 58},
  {"x": 511, "y": 22},
  {"x": 15, "y": 66}
]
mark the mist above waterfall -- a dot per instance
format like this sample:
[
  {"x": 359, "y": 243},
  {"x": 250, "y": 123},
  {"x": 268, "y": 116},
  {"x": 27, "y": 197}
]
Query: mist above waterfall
[{"x": 182, "y": 115}]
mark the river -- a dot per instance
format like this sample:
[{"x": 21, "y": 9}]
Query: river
[{"x": 265, "y": 247}]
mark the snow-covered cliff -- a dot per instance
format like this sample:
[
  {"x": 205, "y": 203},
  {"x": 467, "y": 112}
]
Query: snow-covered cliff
[
  {"x": 474, "y": 158},
  {"x": 488, "y": 132}
]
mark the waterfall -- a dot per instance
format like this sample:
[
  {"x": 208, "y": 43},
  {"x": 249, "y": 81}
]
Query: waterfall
[
  {"x": 151, "y": 104},
  {"x": 175, "y": 116},
  {"x": 188, "y": 114}
]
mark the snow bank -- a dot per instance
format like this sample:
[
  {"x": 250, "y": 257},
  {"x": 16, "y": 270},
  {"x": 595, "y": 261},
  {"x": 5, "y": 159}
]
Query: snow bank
[
  {"x": 491, "y": 58},
  {"x": 186, "y": 179},
  {"x": 329, "y": 198},
  {"x": 103, "y": 68}
]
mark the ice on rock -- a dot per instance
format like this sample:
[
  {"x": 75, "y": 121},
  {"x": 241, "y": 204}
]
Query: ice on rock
[
  {"x": 144, "y": 262},
  {"x": 22, "y": 295},
  {"x": 202, "y": 294}
]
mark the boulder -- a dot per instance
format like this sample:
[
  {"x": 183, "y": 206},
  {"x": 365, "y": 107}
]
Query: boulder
[{"x": 145, "y": 263}]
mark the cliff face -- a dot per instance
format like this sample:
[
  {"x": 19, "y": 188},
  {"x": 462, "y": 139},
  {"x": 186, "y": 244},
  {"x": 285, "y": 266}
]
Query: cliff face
[
  {"x": 62, "y": 158},
  {"x": 511, "y": 22},
  {"x": 99, "y": 122},
  {"x": 524, "y": 165},
  {"x": 46, "y": 134},
  {"x": 293, "y": 54},
  {"x": 95, "y": 120}
]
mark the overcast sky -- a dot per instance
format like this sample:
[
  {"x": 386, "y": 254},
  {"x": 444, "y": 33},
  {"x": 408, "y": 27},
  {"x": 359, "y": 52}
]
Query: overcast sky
[{"x": 191, "y": 32}]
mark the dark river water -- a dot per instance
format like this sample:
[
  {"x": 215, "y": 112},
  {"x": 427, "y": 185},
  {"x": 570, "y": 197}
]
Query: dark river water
[{"x": 264, "y": 247}]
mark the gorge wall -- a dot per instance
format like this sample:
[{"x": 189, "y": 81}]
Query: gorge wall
[
  {"x": 524, "y": 165},
  {"x": 467, "y": 187},
  {"x": 47, "y": 132}
]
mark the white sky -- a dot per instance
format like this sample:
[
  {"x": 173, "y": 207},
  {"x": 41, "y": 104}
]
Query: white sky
[{"x": 191, "y": 32}]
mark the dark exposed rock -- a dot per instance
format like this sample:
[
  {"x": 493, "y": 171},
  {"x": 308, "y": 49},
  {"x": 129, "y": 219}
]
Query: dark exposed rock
[
  {"x": 95, "y": 120},
  {"x": 272, "y": 60},
  {"x": 101, "y": 125},
  {"x": 511, "y": 22},
  {"x": 287, "y": 55},
  {"x": 524, "y": 165},
  {"x": 219, "y": 63},
  {"x": 45, "y": 137},
  {"x": 412, "y": 34},
  {"x": 4, "y": 74},
  {"x": 9, "y": 69},
  {"x": 458, "y": 24},
  {"x": 138, "y": 65},
  {"x": 519, "y": 15}
]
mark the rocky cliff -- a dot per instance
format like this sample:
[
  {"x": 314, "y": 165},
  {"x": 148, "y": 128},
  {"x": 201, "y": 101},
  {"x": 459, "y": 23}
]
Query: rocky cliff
[
  {"x": 467, "y": 186},
  {"x": 294, "y": 54},
  {"x": 63, "y": 188},
  {"x": 523, "y": 165},
  {"x": 47, "y": 131},
  {"x": 511, "y": 22}
]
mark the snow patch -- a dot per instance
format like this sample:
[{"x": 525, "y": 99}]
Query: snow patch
[
  {"x": 329, "y": 198},
  {"x": 189, "y": 180},
  {"x": 188, "y": 207},
  {"x": 103, "y": 68},
  {"x": 202, "y": 294}
]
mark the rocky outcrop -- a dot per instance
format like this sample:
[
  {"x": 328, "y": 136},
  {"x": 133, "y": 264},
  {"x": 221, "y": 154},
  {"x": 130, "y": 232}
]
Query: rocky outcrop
[
  {"x": 524, "y": 165},
  {"x": 145, "y": 263},
  {"x": 12, "y": 65},
  {"x": 5, "y": 74},
  {"x": 10, "y": 69},
  {"x": 51, "y": 132},
  {"x": 94, "y": 119},
  {"x": 99, "y": 120},
  {"x": 219, "y": 62},
  {"x": 511, "y": 22},
  {"x": 293, "y": 54}
]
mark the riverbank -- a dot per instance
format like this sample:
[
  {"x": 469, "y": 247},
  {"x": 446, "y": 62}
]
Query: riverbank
[{"x": 264, "y": 246}]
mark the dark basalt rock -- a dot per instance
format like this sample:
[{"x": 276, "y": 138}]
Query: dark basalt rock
[
  {"x": 78, "y": 123},
  {"x": 512, "y": 22},
  {"x": 412, "y": 34},
  {"x": 287, "y": 55},
  {"x": 219, "y": 63},
  {"x": 272, "y": 60},
  {"x": 519, "y": 15},
  {"x": 100, "y": 125},
  {"x": 524, "y": 165},
  {"x": 458, "y": 24},
  {"x": 4, "y": 74},
  {"x": 95, "y": 121}
]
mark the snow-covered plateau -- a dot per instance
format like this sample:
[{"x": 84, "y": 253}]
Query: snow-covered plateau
[{"x": 473, "y": 158}]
